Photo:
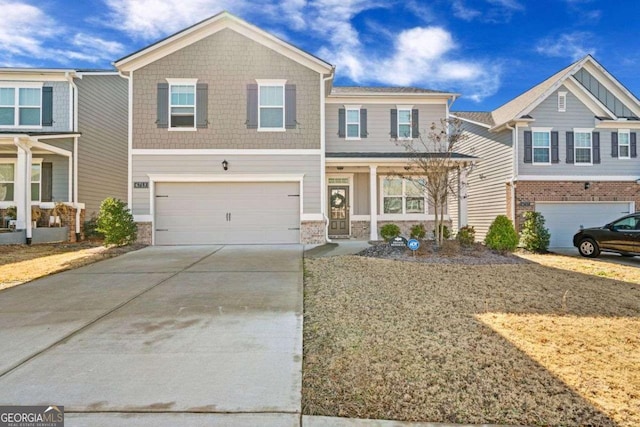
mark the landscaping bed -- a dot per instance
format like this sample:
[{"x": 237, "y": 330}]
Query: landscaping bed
[{"x": 505, "y": 343}]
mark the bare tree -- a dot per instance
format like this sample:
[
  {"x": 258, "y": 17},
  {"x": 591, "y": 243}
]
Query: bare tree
[{"x": 432, "y": 165}]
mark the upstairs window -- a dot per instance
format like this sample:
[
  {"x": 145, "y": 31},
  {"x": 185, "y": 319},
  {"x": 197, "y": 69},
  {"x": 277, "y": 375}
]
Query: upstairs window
[
  {"x": 624, "y": 145},
  {"x": 271, "y": 106},
  {"x": 404, "y": 123},
  {"x": 182, "y": 105},
  {"x": 542, "y": 147},
  {"x": 21, "y": 106},
  {"x": 582, "y": 147},
  {"x": 353, "y": 123}
]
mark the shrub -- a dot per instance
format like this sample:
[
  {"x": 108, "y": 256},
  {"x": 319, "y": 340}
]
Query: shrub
[
  {"x": 418, "y": 231},
  {"x": 116, "y": 223},
  {"x": 534, "y": 237},
  {"x": 446, "y": 233},
  {"x": 90, "y": 231},
  {"x": 501, "y": 236},
  {"x": 466, "y": 236},
  {"x": 389, "y": 231}
]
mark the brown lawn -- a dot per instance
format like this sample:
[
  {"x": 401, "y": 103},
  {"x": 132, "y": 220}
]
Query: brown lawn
[
  {"x": 522, "y": 344},
  {"x": 23, "y": 263}
]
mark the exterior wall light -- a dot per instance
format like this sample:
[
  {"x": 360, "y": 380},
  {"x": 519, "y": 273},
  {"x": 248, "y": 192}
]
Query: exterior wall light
[
  {"x": 225, "y": 165},
  {"x": 587, "y": 185}
]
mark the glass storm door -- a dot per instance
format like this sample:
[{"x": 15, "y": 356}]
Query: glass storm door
[{"x": 339, "y": 211}]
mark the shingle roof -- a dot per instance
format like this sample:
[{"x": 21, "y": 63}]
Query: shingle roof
[
  {"x": 484, "y": 117},
  {"x": 346, "y": 90}
]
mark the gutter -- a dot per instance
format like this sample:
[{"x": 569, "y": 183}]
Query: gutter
[
  {"x": 129, "y": 136},
  {"x": 75, "y": 153},
  {"x": 323, "y": 154},
  {"x": 514, "y": 177}
]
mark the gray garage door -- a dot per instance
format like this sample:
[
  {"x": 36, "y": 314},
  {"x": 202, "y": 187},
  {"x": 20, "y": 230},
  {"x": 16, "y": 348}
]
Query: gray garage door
[
  {"x": 564, "y": 219},
  {"x": 228, "y": 213}
]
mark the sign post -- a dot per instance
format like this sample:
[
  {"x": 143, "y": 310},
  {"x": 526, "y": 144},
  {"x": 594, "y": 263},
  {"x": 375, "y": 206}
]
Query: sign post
[{"x": 413, "y": 244}]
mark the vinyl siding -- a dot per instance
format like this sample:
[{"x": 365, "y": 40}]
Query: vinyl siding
[
  {"x": 102, "y": 148},
  {"x": 378, "y": 126},
  {"x": 238, "y": 164},
  {"x": 361, "y": 194},
  {"x": 60, "y": 174},
  {"x": 61, "y": 102},
  {"x": 576, "y": 116}
]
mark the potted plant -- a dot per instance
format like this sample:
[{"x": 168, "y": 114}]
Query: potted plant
[
  {"x": 59, "y": 211},
  {"x": 36, "y": 214}
]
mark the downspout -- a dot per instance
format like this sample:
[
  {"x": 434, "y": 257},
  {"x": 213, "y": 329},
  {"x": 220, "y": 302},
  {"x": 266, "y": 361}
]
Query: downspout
[
  {"x": 514, "y": 177},
  {"x": 129, "y": 136},
  {"x": 75, "y": 153},
  {"x": 323, "y": 150}
]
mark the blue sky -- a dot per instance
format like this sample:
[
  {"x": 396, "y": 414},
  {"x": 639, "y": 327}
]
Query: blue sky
[{"x": 488, "y": 50}]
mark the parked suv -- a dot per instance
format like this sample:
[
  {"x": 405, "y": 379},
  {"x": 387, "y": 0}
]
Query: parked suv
[{"x": 621, "y": 236}]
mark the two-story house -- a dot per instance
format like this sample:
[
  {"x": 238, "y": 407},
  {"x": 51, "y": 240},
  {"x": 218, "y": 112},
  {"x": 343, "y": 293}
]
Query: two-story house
[
  {"x": 236, "y": 136},
  {"x": 565, "y": 148},
  {"x": 43, "y": 157}
]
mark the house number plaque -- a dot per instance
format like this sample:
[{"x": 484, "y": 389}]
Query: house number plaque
[{"x": 140, "y": 184}]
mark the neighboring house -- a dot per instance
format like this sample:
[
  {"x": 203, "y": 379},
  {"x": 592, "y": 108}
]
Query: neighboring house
[
  {"x": 566, "y": 148},
  {"x": 239, "y": 137},
  {"x": 41, "y": 145}
]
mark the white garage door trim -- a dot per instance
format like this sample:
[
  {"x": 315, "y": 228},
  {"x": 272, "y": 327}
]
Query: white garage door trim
[
  {"x": 539, "y": 206},
  {"x": 230, "y": 178}
]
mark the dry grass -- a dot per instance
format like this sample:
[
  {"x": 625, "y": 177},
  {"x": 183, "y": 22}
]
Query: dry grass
[
  {"x": 23, "y": 263},
  {"x": 451, "y": 343}
]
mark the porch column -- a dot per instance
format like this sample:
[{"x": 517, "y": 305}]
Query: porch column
[
  {"x": 20, "y": 187},
  {"x": 373, "y": 201},
  {"x": 463, "y": 176}
]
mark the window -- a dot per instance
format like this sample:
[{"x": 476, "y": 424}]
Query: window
[
  {"x": 582, "y": 147},
  {"x": 624, "y": 144},
  {"x": 182, "y": 105},
  {"x": 36, "y": 181},
  {"x": 7, "y": 179},
  {"x": 353, "y": 123},
  {"x": 542, "y": 147},
  {"x": 562, "y": 102},
  {"x": 271, "y": 106},
  {"x": 402, "y": 196},
  {"x": 628, "y": 223},
  {"x": 404, "y": 123},
  {"x": 20, "y": 106}
]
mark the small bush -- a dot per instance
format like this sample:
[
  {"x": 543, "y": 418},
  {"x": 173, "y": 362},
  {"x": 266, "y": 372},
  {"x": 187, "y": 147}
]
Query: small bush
[
  {"x": 389, "y": 231},
  {"x": 90, "y": 231},
  {"x": 115, "y": 222},
  {"x": 501, "y": 236},
  {"x": 534, "y": 237},
  {"x": 446, "y": 233},
  {"x": 418, "y": 231},
  {"x": 466, "y": 236}
]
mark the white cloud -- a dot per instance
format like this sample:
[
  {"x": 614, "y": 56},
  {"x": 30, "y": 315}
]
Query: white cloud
[
  {"x": 495, "y": 11},
  {"x": 570, "y": 45},
  {"x": 23, "y": 27},
  {"x": 463, "y": 12}
]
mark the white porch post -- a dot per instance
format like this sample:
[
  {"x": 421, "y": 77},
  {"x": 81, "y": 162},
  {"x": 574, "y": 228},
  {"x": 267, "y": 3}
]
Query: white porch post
[
  {"x": 463, "y": 176},
  {"x": 23, "y": 188},
  {"x": 373, "y": 201}
]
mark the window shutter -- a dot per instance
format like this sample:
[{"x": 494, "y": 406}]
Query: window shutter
[
  {"x": 394, "y": 123},
  {"x": 595, "y": 143},
  {"x": 632, "y": 143},
  {"x": 614, "y": 144},
  {"x": 163, "y": 105},
  {"x": 341, "y": 123},
  {"x": 252, "y": 106},
  {"x": 47, "y": 106},
  {"x": 290, "y": 106},
  {"x": 202, "y": 105},
  {"x": 528, "y": 147},
  {"x": 569, "y": 147},
  {"x": 555, "y": 157},
  {"x": 363, "y": 123},
  {"x": 46, "y": 182},
  {"x": 415, "y": 124}
]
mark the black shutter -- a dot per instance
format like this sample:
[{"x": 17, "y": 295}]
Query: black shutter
[
  {"x": 290, "y": 106},
  {"x": 632, "y": 143},
  {"x": 46, "y": 182},
  {"x": 394, "y": 123},
  {"x": 252, "y": 106},
  {"x": 363, "y": 123},
  {"x": 47, "y": 106},
  {"x": 342, "y": 133},
  {"x": 569, "y": 147},
  {"x": 415, "y": 124},
  {"x": 595, "y": 139},
  {"x": 614, "y": 144},
  {"x": 528, "y": 147},
  {"x": 555, "y": 156},
  {"x": 163, "y": 105},
  {"x": 202, "y": 105}
]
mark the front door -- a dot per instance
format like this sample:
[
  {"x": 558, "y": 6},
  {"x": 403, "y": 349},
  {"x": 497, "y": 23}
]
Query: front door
[{"x": 339, "y": 211}]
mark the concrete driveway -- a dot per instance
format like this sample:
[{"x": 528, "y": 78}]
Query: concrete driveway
[
  {"x": 604, "y": 256},
  {"x": 205, "y": 335}
]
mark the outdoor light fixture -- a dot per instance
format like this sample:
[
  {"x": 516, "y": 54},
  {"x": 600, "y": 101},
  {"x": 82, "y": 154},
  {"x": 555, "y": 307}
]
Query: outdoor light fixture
[
  {"x": 340, "y": 168},
  {"x": 225, "y": 165},
  {"x": 587, "y": 185}
]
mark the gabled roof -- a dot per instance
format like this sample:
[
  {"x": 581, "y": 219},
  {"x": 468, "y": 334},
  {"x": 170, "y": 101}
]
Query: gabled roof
[
  {"x": 211, "y": 26},
  {"x": 359, "y": 90},
  {"x": 482, "y": 117}
]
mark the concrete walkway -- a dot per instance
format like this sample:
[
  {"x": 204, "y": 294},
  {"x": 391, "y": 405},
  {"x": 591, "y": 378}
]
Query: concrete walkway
[
  {"x": 204, "y": 335},
  {"x": 337, "y": 248}
]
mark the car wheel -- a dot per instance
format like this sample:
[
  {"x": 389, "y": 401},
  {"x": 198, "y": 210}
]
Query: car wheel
[{"x": 588, "y": 248}]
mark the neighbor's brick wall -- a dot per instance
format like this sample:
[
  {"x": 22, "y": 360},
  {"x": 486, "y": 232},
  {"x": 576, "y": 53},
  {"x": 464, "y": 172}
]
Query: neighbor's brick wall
[
  {"x": 144, "y": 233},
  {"x": 572, "y": 191},
  {"x": 227, "y": 62},
  {"x": 312, "y": 232}
]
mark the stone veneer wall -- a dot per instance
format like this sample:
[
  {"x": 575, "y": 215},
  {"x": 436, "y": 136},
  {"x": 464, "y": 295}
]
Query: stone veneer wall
[
  {"x": 144, "y": 233},
  {"x": 405, "y": 227},
  {"x": 312, "y": 232},
  {"x": 360, "y": 230}
]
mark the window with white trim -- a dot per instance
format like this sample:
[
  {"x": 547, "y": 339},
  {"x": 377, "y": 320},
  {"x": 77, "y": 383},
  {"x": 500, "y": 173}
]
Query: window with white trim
[
  {"x": 21, "y": 106},
  {"x": 562, "y": 102},
  {"x": 353, "y": 122},
  {"x": 624, "y": 144},
  {"x": 182, "y": 105},
  {"x": 582, "y": 147},
  {"x": 404, "y": 123},
  {"x": 271, "y": 106},
  {"x": 7, "y": 181},
  {"x": 541, "y": 145},
  {"x": 403, "y": 196},
  {"x": 36, "y": 182}
]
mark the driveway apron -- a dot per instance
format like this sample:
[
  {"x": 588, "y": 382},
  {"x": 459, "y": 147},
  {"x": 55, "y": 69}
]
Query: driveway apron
[{"x": 194, "y": 333}]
